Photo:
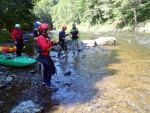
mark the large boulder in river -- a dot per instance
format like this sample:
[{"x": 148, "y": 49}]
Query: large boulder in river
[{"x": 105, "y": 41}]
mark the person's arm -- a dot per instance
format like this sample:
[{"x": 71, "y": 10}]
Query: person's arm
[
  {"x": 67, "y": 34},
  {"x": 53, "y": 42},
  {"x": 35, "y": 35},
  {"x": 14, "y": 36},
  {"x": 43, "y": 43}
]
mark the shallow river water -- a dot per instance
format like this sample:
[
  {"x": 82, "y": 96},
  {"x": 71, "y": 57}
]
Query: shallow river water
[
  {"x": 104, "y": 79},
  {"x": 111, "y": 79}
]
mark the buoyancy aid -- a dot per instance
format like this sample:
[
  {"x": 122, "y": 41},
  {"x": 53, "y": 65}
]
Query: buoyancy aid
[
  {"x": 17, "y": 34},
  {"x": 74, "y": 32},
  {"x": 44, "y": 45}
]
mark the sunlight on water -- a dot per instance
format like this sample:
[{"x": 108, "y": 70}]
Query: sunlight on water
[{"x": 118, "y": 76}]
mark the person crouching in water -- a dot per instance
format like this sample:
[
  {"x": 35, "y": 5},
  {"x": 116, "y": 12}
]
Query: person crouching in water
[
  {"x": 45, "y": 43},
  {"x": 17, "y": 36},
  {"x": 62, "y": 38}
]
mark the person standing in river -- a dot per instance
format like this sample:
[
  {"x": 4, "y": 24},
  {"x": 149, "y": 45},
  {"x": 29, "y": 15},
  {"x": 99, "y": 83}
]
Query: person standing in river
[
  {"x": 36, "y": 33},
  {"x": 75, "y": 37},
  {"x": 62, "y": 40},
  {"x": 17, "y": 36},
  {"x": 45, "y": 43}
]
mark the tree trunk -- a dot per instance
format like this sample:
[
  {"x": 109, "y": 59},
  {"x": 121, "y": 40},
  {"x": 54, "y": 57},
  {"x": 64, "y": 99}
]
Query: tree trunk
[
  {"x": 100, "y": 16},
  {"x": 123, "y": 19},
  {"x": 135, "y": 16}
]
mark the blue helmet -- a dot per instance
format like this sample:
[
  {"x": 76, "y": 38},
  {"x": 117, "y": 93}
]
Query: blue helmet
[{"x": 37, "y": 24}]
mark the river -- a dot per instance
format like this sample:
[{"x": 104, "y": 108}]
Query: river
[
  {"x": 105, "y": 79},
  {"x": 111, "y": 79}
]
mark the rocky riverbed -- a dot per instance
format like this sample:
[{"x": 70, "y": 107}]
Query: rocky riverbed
[{"x": 101, "y": 79}]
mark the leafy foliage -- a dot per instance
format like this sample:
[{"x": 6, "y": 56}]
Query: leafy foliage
[
  {"x": 16, "y": 11},
  {"x": 63, "y": 12}
]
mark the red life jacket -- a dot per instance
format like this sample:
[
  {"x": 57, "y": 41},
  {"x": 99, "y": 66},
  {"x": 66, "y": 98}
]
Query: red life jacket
[
  {"x": 17, "y": 34},
  {"x": 45, "y": 44}
]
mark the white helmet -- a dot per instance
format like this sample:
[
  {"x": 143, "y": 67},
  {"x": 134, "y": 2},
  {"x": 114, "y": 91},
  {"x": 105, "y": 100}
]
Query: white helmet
[
  {"x": 38, "y": 22},
  {"x": 17, "y": 25}
]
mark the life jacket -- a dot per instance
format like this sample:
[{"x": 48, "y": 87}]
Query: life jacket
[
  {"x": 74, "y": 32},
  {"x": 35, "y": 33},
  {"x": 17, "y": 34},
  {"x": 44, "y": 45}
]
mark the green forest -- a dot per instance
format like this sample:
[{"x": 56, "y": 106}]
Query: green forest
[{"x": 85, "y": 13}]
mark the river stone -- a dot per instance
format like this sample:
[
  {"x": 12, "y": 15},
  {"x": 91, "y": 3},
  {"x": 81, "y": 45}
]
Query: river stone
[
  {"x": 1, "y": 73},
  {"x": 106, "y": 41},
  {"x": 2, "y": 86},
  {"x": 2, "y": 79},
  {"x": 67, "y": 73},
  {"x": 9, "y": 79},
  {"x": 55, "y": 48},
  {"x": 27, "y": 107},
  {"x": 32, "y": 71},
  {"x": 13, "y": 75}
]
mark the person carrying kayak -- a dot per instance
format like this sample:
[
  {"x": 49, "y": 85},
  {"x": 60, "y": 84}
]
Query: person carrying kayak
[
  {"x": 75, "y": 36},
  {"x": 62, "y": 40},
  {"x": 17, "y": 36},
  {"x": 45, "y": 43}
]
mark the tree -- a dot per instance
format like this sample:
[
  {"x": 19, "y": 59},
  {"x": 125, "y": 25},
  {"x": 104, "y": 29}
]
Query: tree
[{"x": 16, "y": 11}]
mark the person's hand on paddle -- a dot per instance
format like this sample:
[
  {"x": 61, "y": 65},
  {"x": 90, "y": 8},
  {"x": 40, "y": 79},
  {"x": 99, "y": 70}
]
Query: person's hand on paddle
[{"x": 54, "y": 41}]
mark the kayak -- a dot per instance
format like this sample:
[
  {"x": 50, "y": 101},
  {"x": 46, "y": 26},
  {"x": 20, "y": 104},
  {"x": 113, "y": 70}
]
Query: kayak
[
  {"x": 7, "y": 49},
  {"x": 20, "y": 61}
]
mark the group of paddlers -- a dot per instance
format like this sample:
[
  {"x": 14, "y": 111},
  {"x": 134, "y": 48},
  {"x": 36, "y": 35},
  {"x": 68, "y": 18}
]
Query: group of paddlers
[{"x": 44, "y": 44}]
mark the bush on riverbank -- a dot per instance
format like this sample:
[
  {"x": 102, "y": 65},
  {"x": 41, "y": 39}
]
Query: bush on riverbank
[
  {"x": 111, "y": 26},
  {"x": 4, "y": 36},
  {"x": 116, "y": 26}
]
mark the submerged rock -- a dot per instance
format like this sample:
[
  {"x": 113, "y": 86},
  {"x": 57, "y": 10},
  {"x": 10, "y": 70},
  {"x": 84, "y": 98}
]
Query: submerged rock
[
  {"x": 67, "y": 73},
  {"x": 27, "y": 107}
]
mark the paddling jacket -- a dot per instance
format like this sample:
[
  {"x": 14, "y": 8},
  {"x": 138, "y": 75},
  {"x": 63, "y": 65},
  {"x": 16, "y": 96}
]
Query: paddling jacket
[
  {"x": 74, "y": 32},
  {"x": 45, "y": 44},
  {"x": 62, "y": 35},
  {"x": 17, "y": 34},
  {"x": 35, "y": 33}
]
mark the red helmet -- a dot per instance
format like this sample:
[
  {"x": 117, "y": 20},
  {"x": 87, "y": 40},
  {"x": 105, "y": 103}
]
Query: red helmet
[
  {"x": 64, "y": 27},
  {"x": 44, "y": 26}
]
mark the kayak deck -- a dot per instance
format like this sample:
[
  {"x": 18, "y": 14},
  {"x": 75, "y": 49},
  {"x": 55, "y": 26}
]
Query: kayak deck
[{"x": 21, "y": 61}]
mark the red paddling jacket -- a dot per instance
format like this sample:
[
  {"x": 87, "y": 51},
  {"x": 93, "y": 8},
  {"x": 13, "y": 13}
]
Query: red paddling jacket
[
  {"x": 17, "y": 34},
  {"x": 45, "y": 45}
]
